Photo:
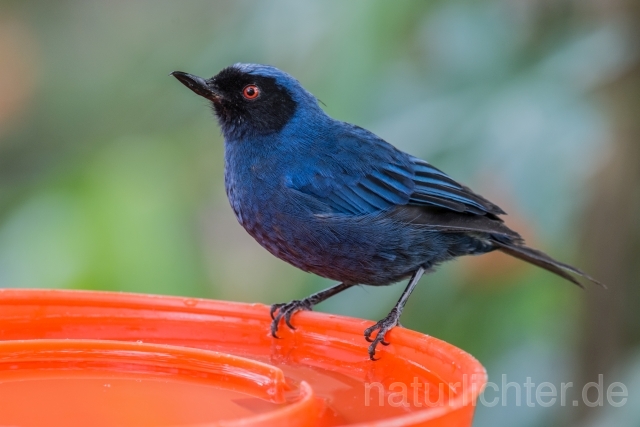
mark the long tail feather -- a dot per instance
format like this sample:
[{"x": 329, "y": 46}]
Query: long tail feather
[{"x": 543, "y": 260}]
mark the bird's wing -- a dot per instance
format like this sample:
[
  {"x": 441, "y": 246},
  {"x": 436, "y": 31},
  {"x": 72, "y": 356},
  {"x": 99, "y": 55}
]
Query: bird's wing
[
  {"x": 362, "y": 174},
  {"x": 435, "y": 188}
]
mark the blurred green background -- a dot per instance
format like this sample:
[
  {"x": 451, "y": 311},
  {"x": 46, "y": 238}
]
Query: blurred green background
[{"x": 111, "y": 172}]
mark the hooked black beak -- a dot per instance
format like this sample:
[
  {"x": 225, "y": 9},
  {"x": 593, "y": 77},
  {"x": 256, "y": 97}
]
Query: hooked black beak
[{"x": 197, "y": 84}]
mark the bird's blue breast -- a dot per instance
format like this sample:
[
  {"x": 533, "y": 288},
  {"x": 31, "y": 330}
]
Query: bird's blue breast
[{"x": 257, "y": 174}]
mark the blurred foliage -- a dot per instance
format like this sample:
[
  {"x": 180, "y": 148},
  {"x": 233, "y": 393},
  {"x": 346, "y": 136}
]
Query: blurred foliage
[{"x": 111, "y": 173}]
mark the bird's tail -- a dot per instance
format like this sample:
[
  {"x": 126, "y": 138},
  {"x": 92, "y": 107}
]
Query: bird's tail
[{"x": 543, "y": 260}]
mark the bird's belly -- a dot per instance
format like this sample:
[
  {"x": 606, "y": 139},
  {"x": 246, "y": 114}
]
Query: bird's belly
[
  {"x": 346, "y": 252},
  {"x": 282, "y": 237},
  {"x": 262, "y": 222}
]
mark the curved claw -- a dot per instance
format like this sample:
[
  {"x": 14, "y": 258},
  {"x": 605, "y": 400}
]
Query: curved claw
[
  {"x": 275, "y": 323},
  {"x": 274, "y": 308},
  {"x": 286, "y": 311},
  {"x": 379, "y": 339},
  {"x": 274, "y": 328},
  {"x": 287, "y": 318},
  {"x": 372, "y": 349},
  {"x": 369, "y": 331},
  {"x": 383, "y": 326}
]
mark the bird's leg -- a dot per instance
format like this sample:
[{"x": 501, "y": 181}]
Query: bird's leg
[
  {"x": 286, "y": 310},
  {"x": 393, "y": 318}
]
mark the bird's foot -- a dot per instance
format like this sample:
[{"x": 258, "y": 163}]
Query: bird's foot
[
  {"x": 383, "y": 326},
  {"x": 285, "y": 311}
]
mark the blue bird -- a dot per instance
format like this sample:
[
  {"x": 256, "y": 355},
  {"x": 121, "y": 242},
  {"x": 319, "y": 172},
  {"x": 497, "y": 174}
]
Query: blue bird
[{"x": 333, "y": 199}]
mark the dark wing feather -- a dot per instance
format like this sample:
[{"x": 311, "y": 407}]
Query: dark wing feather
[
  {"x": 436, "y": 188},
  {"x": 448, "y": 221},
  {"x": 362, "y": 174}
]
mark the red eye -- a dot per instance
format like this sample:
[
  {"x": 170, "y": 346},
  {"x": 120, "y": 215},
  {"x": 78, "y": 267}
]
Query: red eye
[{"x": 250, "y": 92}]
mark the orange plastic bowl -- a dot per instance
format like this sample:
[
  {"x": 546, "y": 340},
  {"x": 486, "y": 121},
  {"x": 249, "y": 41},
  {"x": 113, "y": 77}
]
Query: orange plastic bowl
[{"x": 76, "y": 358}]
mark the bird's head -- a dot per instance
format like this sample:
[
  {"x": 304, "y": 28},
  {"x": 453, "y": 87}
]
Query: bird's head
[{"x": 250, "y": 99}]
